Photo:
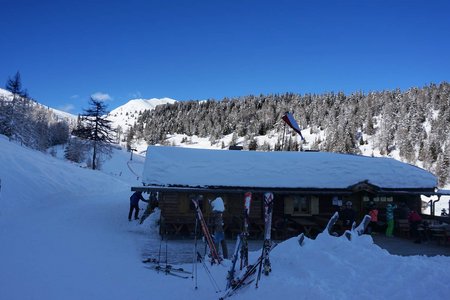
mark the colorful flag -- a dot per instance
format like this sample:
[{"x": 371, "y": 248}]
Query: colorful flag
[{"x": 289, "y": 119}]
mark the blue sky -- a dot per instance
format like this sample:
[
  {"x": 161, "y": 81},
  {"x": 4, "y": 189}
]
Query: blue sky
[{"x": 69, "y": 50}]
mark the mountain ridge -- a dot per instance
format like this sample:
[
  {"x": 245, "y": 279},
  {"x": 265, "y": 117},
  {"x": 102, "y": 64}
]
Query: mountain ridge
[{"x": 127, "y": 114}]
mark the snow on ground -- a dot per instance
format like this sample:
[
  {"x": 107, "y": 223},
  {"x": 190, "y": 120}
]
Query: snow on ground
[{"x": 64, "y": 234}]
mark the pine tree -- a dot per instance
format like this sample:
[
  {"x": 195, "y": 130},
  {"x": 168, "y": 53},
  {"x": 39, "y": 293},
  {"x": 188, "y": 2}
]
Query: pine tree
[
  {"x": 96, "y": 129},
  {"x": 18, "y": 108},
  {"x": 14, "y": 85},
  {"x": 443, "y": 167}
]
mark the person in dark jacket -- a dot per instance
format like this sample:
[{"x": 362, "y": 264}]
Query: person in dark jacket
[
  {"x": 415, "y": 221},
  {"x": 347, "y": 215},
  {"x": 152, "y": 204},
  {"x": 134, "y": 205}
]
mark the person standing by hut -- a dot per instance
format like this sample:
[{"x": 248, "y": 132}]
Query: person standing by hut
[
  {"x": 390, "y": 219},
  {"x": 415, "y": 221},
  {"x": 347, "y": 215},
  {"x": 134, "y": 205},
  {"x": 152, "y": 204},
  {"x": 218, "y": 208},
  {"x": 373, "y": 213}
]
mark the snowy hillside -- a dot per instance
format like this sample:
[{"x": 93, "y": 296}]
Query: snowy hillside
[
  {"x": 127, "y": 114},
  {"x": 70, "y": 118},
  {"x": 123, "y": 116},
  {"x": 61, "y": 115},
  {"x": 65, "y": 235},
  {"x": 5, "y": 94}
]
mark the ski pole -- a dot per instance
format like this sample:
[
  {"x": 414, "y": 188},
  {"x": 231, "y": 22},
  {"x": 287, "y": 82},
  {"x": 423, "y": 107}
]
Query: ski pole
[
  {"x": 208, "y": 272},
  {"x": 160, "y": 242},
  {"x": 194, "y": 259},
  {"x": 260, "y": 267},
  {"x": 166, "y": 249}
]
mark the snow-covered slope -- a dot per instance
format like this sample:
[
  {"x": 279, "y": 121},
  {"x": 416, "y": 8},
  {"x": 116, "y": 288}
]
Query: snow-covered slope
[
  {"x": 72, "y": 119},
  {"x": 127, "y": 114},
  {"x": 63, "y": 229},
  {"x": 5, "y": 94}
]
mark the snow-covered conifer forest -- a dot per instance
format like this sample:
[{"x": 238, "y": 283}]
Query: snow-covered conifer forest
[{"x": 413, "y": 125}]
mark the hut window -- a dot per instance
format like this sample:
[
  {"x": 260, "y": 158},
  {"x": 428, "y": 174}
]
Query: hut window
[{"x": 301, "y": 205}]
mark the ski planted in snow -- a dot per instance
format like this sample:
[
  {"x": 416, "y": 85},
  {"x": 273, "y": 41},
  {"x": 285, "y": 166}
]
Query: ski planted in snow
[
  {"x": 301, "y": 239},
  {"x": 241, "y": 248},
  {"x": 215, "y": 258},
  {"x": 231, "y": 272},
  {"x": 358, "y": 230},
  {"x": 331, "y": 223},
  {"x": 244, "y": 234},
  {"x": 268, "y": 209},
  {"x": 363, "y": 225}
]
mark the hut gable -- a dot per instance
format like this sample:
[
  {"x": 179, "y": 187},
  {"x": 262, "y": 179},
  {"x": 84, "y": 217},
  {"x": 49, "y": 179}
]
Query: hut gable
[{"x": 364, "y": 186}]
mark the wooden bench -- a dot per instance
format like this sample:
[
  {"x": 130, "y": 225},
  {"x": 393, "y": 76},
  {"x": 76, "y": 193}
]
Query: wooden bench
[
  {"x": 403, "y": 228},
  {"x": 177, "y": 225},
  {"x": 441, "y": 235}
]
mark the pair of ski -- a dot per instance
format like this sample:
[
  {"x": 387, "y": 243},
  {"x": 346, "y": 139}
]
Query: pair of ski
[
  {"x": 155, "y": 264},
  {"x": 355, "y": 231},
  {"x": 215, "y": 258},
  {"x": 249, "y": 275},
  {"x": 167, "y": 269},
  {"x": 263, "y": 261},
  {"x": 348, "y": 234},
  {"x": 241, "y": 247}
]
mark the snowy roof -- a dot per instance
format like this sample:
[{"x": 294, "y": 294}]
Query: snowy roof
[{"x": 187, "y": 167}]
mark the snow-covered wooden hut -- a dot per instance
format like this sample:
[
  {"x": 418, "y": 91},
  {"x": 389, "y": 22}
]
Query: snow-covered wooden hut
[{"x": 308, "y": 186}]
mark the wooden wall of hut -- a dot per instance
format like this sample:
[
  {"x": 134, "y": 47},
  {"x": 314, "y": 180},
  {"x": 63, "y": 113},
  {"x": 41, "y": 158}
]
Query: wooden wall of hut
[{"x": 178, "y": 215}]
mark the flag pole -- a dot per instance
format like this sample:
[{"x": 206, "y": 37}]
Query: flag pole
[{"x": 284, "y": 133}]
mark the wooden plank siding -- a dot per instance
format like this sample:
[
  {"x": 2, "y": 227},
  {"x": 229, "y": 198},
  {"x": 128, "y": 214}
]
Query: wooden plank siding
[{"x": 178, "y": 215}]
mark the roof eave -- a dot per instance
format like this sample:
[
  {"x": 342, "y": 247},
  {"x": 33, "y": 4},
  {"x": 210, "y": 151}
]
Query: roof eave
[{"x": 278, "y": 190}]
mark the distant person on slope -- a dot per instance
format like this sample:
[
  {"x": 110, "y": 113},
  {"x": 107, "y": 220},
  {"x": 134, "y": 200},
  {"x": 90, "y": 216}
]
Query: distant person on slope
[{"x": 134, "y": 205}]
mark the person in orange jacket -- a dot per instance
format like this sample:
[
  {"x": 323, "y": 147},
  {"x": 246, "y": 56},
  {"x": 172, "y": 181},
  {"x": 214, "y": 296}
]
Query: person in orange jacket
[{"x": 373, "y": 213}]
